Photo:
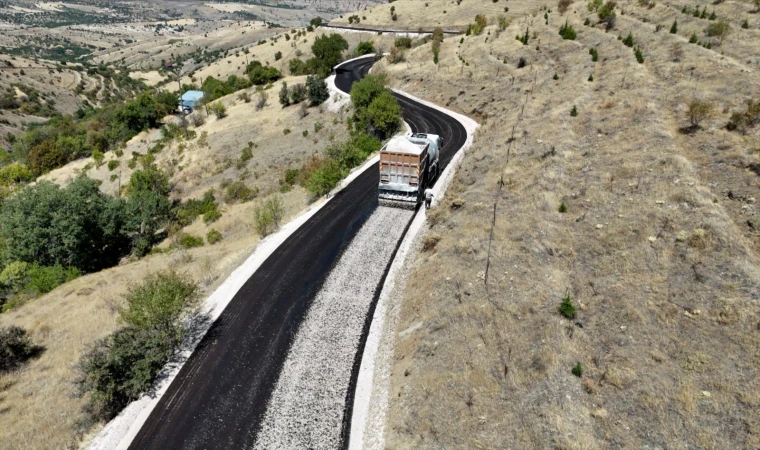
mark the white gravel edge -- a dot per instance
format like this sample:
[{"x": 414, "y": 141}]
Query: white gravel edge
[
  {"x": 121, "y": 431},
  {"x": 373, "y": 383}
]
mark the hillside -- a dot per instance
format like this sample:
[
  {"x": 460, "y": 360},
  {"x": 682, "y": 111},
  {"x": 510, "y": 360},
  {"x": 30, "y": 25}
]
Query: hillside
[
  {"x": 645, "y": 222},
  {"x": 243, "y": 158}
]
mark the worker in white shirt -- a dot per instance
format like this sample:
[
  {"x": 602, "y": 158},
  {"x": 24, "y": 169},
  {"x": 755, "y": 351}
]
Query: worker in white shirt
[{"x": 428, "y": 198}]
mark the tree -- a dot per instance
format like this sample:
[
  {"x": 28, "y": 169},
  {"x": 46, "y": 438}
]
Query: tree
[
  {"x": 367, "y": 89},
  {"x": 383, "y": 115},
  {"x": 297, "y": 93},
  {"x": 77, "y": 226},
  {"x": 260, "y": 74},
  {"x": 148, "y": 207},
  {"x": 699, "y": 111},
  {"x": 318, "y": 91},
  {"x": 328, "y": 52},
  {"x": 139, "y": 114},
  {"x": 298, "y": 66},
  {"x": 316, "y": 22}
]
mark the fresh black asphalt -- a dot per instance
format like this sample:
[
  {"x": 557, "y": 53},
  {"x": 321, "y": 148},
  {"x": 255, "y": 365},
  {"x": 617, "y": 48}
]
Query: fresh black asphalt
[{"x": 220, "y": 395}]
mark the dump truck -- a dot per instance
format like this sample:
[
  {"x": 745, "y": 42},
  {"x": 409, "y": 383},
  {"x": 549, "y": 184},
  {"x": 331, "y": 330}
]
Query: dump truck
[{"x": 408, "y": 166}]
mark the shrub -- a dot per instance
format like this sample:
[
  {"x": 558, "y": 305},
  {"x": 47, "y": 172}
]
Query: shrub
[
  {"x": 238, "y": 192},
  {"x": 189, "y": 241},
  {"x": 698, "y": 111},
  {"x": 218, "y": 109},
  {"x": 197, "y": 120},
  {"x": 317, "y": 90},
  {"x": 403, "y": 42},
  {"x": 212, "y": 214},
  {"x": 594, "y": 54},
  {"x": 261, "y": 100},
  {"x": 628, "y": 40},
  {"x": 574, "y": 111},
  {"x": 325, "y": 176},
  {"x": 742, "y": 121},
  {"x": 566, "y": 31},
  {"x": 15, "y": 348},
  {"x": 396, "y": 56},
  {"x": 268, "y": 216},
  {"x": 639, "y": 55},
  {"x": 693, "y": 39},
  {"x": 364, "y": 48},
  {"x": 213, "y": 236},
  {"x": 591, "y": 77},
  {"x": 284, "y": 95},
  {"x": 15, "y": 174},
  {"x": 113, "y": 164},
  {"x": 245, "y": 97},
  {"x": 98, "y": 156},
  {"x": 260, "y": 75},
  {"x": 719, "y": 29},
  {"x": 607, "y": 11},
  {"x": 481, "y": 22},
  {"x": 286, "y": 131},
  {"x": 522, "y": 62},
  {"x": 556, "y": 77},
  {"x": 566, "y": 308},
  {"x": 674, "y": 27},
  {"x": 45, "y": 157},
  {"x": 524, "y": 38},
  {"x": 278, "y": 56},
  {"x": 577, "y": 370},
  {"x": 745, "y": 24},
  {"x": 563, "y": 5},
  {"x": 123, "y": 366},
  {"x": 562, "y": 207},
  {"x": 297, "y": 93}
]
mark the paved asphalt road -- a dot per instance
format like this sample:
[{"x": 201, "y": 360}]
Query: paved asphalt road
[{"x": 218, "y": 399}]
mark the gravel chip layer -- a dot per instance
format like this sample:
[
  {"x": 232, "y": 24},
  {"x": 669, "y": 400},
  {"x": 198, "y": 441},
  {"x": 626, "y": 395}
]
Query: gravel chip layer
[{"x": 307, "y": 406}]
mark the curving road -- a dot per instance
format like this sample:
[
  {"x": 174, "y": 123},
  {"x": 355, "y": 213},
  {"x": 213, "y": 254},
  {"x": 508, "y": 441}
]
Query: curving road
[{"x": 219, "y": 397}]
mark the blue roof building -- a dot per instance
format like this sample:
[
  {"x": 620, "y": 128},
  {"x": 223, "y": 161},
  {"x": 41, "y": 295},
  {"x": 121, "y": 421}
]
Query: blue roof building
[{"x": 191, "y": 99}]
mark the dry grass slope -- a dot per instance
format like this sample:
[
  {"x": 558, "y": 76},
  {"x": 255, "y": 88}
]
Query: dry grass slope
[{"x": 658, "y": 245}]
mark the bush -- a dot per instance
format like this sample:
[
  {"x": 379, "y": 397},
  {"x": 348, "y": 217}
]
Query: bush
[
  {"x": 268, "y": 216},
  {"x": 566, "y": 308},
  {"x": 197, "y": 120},
  {"x": 284, "y": 95},
  {"x": 674, "y": 27},
  {"x": 98, "y": 156},
  {"x": 594, "y": 54},
  {"x": 212, "y": 215},
  {"x": 261, "y": 100},
  {"x": 260, "y": 74},
  {"x": 324, "y": 178},
  {"x": 567, "y": 32},
  {"x": 577, "y": 370},
  {"x": 297, "y": 93},
  {"x": 278, "y": 56},
  {"x": 503, "y": 22},
  {"x": 123, "y": 366},
  {"x": 298, "y": 67},
  {"x": 238, "y": 192},
  {"x": 628, "y": 40},
  {"x": 639, "y": 55},
  {"x": 563, "y": 5},
  {"x": 562, "y": 207},
  {"x": 364, "y": 48},
  {"x": 481, "y": 22},
  {"x": 245, "y": 97},
  {"x": 213, "y": 236},
  {"x": 15, "y": 348},
  {"x": 742, "y": 121},
  {"x": 189, "y": 241},
  {"x": 45, "y": 157},
  {"x": 218, "y": 109},
  {"x": 522, "y": 62},
  {"x": 403, "y": 42},
  {"x": 376, "y": 110},
  {"x": 524, "y": 38},
  {"x": 286, "y": 131},
  {"x": 113, "y": 164},
  {"x": 15, "y": 174},
  {"x": 698, "y": 111},
  {"x": 396, "y": 56},
  {"x": 574, "y": 111},
  {"x": 719, "y": 29},
  {"x": 607, "y": 11},
  {"x": 317, "y": 90}
]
